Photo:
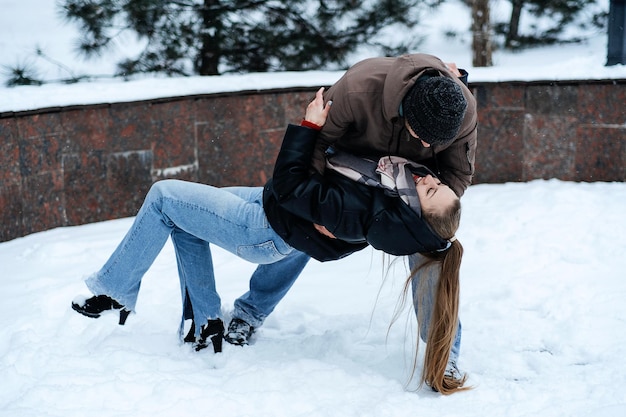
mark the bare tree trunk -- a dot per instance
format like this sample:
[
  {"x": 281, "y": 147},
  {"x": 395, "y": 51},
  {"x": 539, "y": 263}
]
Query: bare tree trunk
[
  {"x": 481, "y": 31},
  {"x": 209, "y": 55},
  {"x": 513, "y": 33}
]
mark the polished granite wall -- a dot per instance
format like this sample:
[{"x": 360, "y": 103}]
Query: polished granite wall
[
  {"x": 76, "y": 165},
  {"x": 569, "y": 131}
]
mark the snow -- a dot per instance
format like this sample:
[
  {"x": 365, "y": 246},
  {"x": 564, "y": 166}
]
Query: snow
[
  {"x": 541, "y": 304},
  {"x": 541, "y": 300}
]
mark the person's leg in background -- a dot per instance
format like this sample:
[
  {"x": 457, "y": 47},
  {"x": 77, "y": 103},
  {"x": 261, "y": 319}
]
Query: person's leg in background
[{"x": 424, "y": 284}]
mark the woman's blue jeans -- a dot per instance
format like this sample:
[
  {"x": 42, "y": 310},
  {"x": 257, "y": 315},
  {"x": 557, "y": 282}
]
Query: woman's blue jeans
[{"x": 196, "y": 215}]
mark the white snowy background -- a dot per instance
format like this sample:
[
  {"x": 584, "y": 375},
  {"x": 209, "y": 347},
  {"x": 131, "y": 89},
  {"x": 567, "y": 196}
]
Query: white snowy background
[{"x": 542, "y": 299}]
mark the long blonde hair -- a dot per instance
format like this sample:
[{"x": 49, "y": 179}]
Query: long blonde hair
[{"x": 444, "y": 318}]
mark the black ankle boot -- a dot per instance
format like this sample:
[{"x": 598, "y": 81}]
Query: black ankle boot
[
  {"x": 213, "y": 330},
  {"x": 94, "y": 306}
]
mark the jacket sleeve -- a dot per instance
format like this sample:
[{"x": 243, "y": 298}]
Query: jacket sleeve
[
  {"x": 456, "y": 163},
  {"x": 305, "y": 195}
]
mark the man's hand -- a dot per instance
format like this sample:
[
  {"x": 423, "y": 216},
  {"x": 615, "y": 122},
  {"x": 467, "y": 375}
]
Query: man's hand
[{"x": 452, "y": 67}]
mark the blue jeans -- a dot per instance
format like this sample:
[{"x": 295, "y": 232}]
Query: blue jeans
[
  {"x": 424, "y": 284},
  {"x": 196, "y": 215}
]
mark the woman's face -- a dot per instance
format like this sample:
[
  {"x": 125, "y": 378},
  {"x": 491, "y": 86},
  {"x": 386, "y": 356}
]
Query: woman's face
[{"x": 433, "y": 195}]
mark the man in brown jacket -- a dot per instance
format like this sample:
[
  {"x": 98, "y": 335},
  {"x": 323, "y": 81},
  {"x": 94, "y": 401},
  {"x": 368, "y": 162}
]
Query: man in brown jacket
[
  {"x": 413, "y": 106},
  {"x": 379, "y": 101}
]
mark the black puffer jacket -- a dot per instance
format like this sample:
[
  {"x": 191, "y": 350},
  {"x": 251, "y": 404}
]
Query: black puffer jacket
[{"x": 355, "y": 213}]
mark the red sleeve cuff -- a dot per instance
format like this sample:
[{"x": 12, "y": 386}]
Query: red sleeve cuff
[{"x": 312, "y": 125}]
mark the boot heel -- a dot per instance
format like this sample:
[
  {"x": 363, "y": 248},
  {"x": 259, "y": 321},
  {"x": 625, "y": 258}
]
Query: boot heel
[
  {"x": 217, "y": 342},
  {"x": 123, "y": 316},
  {"x": 191, "y": 335},
  {"x": 213, "y": 331}
]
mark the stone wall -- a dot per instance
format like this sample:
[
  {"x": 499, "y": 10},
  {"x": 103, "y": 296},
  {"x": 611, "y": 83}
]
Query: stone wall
[
  {"x": 573, "y": 131},
  {"x": 82, "y": 164}
]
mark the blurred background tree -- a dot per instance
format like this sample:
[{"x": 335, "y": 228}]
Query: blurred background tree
[
  {"x": 482, "y": 46},
  {"x": 555, "y": 15},
  {"x": 211, "y": 37}
]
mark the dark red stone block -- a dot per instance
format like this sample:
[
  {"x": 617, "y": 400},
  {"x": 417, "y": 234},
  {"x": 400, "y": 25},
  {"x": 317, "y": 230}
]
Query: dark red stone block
[
  {"x": 11, "y": 209},
  {"x": 294, "y": 105},
  {"x": 500, "y": 146},
  {"x": 549, "y": 147},
  {"x": 261, "y": 113},
  {"x": 39, "y": 125},
  {"x": 495, "y": 96},
  {"x": 601, "y": 153},
  {"x": 84, "y": 177},
  {"x": 43, "y": 201},
  {"x": 602, "y": 104},
  {"x": 553, "y": 100},
  {"x": 9, "y": 153},
  {"x": 227, "y": 140},
  {"x": 172, "y": 129},
  {"x": 88, "y": 129},
  {"x": 131, "y": 127},
  {"x": 128, "y": 180},
  {"x": 40, "y": 154}
]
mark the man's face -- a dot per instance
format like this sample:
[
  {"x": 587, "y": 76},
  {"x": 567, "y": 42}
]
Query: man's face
[{"x": 412, "y": 133}]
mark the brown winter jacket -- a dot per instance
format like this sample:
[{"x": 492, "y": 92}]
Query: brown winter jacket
[{"x": 364, "y": 119}]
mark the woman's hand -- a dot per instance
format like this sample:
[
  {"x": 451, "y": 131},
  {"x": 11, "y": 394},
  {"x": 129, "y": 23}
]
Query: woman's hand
[
  {"x": 316, "y": 112},
  {"x": 323, "y": 231}
]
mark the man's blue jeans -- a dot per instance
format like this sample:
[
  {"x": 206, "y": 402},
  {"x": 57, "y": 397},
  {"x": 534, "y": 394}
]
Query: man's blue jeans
[
  {"x": 196, "y": 215},
  {"x": 424, "y": 284}
]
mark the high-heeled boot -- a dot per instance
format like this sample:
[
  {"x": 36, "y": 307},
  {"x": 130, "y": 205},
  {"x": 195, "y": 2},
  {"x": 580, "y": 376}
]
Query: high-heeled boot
[
  {"x": 93, "y": 307},
  {"x": 191, "y": 335},
  {"x": 214, "y": 331}
]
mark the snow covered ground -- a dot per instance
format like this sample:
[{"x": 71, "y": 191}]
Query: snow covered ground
[
  {"x": 542, "y": 299},
  {"x": 542, "y": 305}
]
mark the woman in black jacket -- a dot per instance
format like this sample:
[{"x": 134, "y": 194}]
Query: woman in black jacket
[
  {"x": 353, "y": 215},
  {"x": 325, "y": 217}
]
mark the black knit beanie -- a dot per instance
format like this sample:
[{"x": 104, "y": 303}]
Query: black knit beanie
[{"x": 434, "y": 108}]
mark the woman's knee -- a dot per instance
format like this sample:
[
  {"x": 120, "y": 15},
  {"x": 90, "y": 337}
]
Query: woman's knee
[
  {"x": 157, "y": 191},
  {"x": 163, "y": 188}
]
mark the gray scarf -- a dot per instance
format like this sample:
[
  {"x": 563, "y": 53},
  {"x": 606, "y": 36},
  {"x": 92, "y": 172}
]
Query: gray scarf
[{"x": 391, "y": 173}]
